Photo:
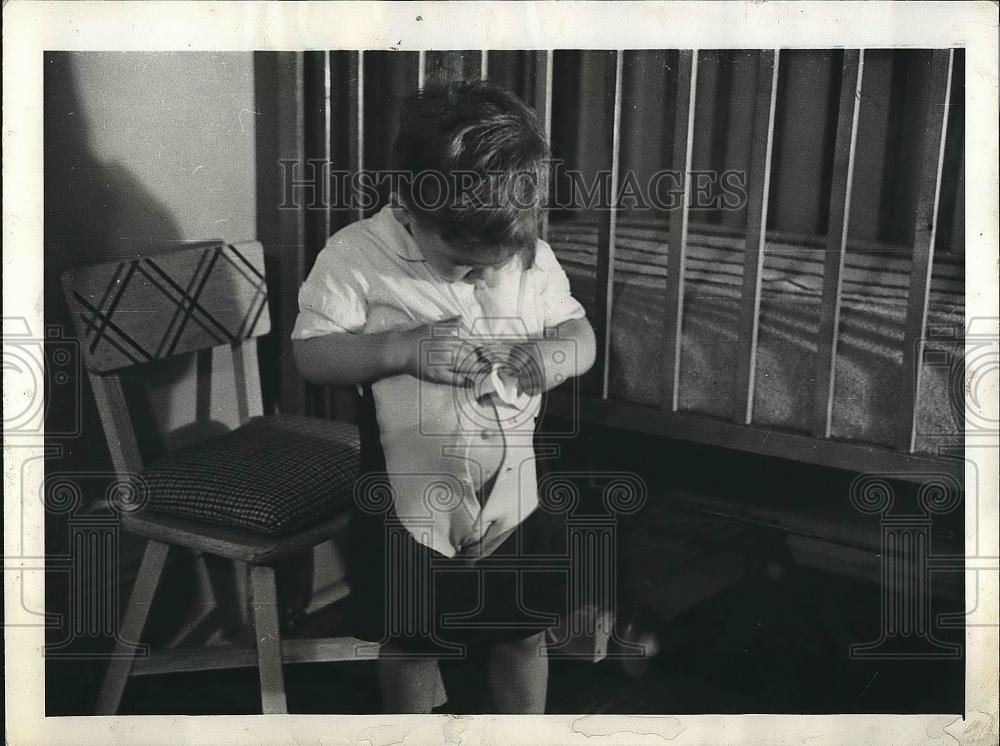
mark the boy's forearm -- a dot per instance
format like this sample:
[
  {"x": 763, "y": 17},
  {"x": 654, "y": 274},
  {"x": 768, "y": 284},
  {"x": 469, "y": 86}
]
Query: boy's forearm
[
  {"x": 568, "y": 353},
  {"x": 343, "y": 359}
]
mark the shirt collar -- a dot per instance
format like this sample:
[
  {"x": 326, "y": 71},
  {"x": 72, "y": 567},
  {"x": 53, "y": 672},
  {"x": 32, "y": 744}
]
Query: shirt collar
[{"x": 406, "y": 246}]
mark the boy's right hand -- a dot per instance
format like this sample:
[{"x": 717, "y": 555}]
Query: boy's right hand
[{"x": 440, "y": 352}]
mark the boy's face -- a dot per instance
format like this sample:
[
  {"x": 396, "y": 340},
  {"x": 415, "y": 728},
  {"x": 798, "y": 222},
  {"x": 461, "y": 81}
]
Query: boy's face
[{"x": 453, "y": 263}]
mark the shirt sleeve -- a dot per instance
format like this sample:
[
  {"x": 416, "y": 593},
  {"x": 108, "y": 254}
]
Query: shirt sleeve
[
  {"x": 558, "y": 302},
  {"x": 332, "y": 298}
]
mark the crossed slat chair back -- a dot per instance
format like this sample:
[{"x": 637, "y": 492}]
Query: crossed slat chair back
[{"x": 127, "y": 313}]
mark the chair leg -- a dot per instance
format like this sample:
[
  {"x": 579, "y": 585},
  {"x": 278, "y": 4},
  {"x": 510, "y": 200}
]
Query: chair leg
[
  {"x": 241, "y": 598},
  {"x": 123, "y": 653},
  {"x": 265, "y": 620},
  {"x": 202, "y": 618},
  {"x": 440, "y": 693}
]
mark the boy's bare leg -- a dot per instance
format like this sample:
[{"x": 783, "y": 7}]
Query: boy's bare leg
[
  {"x": 519, "y": 675},
  {"x": 408, "y": 685}
]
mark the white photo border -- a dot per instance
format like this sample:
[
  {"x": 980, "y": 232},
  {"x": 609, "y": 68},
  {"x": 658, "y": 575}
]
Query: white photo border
[{"x": 30, "y": 28}]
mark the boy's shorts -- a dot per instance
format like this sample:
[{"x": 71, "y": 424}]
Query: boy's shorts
[
  {"x": 410, "y": 595},
  {"x": 416, "y": 598}
]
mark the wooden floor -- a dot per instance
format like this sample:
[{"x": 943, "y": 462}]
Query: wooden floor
[{"x": 767, "y": 645}]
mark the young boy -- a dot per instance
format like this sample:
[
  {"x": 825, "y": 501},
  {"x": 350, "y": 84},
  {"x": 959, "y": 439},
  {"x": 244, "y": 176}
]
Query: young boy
[{"x": 448, "y": 306}]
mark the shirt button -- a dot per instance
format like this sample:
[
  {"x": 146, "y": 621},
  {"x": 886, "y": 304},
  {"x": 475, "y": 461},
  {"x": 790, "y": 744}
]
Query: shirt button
[{"x": 485, "y": 434}]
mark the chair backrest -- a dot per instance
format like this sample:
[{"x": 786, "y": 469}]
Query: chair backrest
[
  {"x": 153, "y": 307},
  {"x": 156, "y": 306}
]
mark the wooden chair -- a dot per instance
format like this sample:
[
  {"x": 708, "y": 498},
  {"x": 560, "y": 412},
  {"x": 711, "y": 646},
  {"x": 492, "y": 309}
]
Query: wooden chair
[{"x": 202, "y": 497}]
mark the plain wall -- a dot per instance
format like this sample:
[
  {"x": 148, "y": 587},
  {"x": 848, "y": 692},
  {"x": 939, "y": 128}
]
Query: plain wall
[{"x": 184, "y": 124}]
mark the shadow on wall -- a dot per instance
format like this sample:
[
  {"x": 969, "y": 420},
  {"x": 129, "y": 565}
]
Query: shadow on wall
[
  {"x": 95, "y": 211},
  {"x": 99, "y": 211}
]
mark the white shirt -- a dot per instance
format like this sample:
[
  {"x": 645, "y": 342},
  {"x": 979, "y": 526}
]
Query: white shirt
[{"x": 441, "y": 443}]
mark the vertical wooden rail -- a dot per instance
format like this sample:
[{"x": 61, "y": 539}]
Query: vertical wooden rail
[
  {"x": 606, "y": 237},
  {"x": 356, "y": 127},
  {"x": 316, "y": 82},
  {"x": 760, "y": 181},
  {"x": 346, "y": 123},
  {"x": 328, "y": 139},
  {"x": 421, "y": 68},
  {"x": 318, "y": 214},
  {"x": 687, "y": 87},
  {"x": 848, "y": 115},
  {"x": 543, "y": 105},
  {"x": 484, "y": 64},
  {"x": 279, "y": 85},
  {"x": 327, "y": 83},
  {"x": 924, "y": 232}
]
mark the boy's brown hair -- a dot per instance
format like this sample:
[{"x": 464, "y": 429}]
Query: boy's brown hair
[{"x": 475, "y": 159}]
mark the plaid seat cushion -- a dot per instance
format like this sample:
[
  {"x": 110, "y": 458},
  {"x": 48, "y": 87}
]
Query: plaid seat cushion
[{"x": 274, "y": 475}]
